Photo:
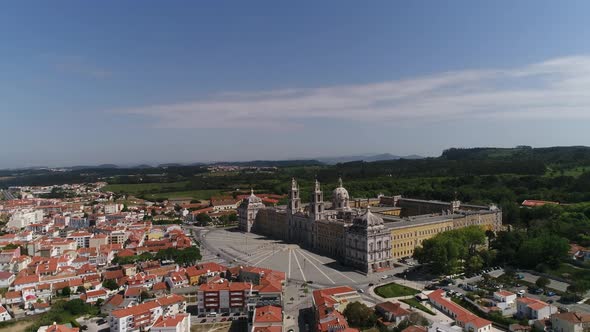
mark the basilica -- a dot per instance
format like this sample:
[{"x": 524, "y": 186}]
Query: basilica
[{"x": 354, "y": 236}]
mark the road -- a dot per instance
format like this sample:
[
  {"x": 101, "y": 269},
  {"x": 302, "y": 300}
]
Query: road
[{"x": 7, "y": 195}]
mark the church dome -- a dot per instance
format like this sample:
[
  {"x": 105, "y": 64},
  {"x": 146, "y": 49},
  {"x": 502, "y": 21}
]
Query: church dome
[
  {"x": 340, "y": 197},
  {"x": 340, "y": 193}
]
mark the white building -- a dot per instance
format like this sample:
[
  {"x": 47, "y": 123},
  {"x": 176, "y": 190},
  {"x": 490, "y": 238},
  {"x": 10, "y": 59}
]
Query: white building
[
  {"x": 112, "y": 208},
  {"x": 23, "y": 218},
  {"x": 570, "y": 322},
  {"x": 4, "y": 315},
  {"x": 530, "y": 308}
]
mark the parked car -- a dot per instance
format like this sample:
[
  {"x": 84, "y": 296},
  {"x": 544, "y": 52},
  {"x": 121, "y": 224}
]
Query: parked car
[{"x": 550, "y": 293}]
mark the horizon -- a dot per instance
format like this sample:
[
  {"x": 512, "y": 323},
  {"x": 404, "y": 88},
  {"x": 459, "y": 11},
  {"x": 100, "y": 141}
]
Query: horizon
[
  {"x": 321, "y": 159},
  {"x": 176, "y": 82}
]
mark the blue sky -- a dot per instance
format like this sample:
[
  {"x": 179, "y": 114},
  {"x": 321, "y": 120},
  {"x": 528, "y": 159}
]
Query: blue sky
[{"x": 181, "y": 81}]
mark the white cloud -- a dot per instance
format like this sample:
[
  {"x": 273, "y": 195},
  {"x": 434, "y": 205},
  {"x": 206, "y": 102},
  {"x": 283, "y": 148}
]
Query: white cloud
[{"x": 557, "y": 88}]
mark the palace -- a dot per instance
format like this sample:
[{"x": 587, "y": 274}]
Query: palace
[{"x": 369, "y": 236}]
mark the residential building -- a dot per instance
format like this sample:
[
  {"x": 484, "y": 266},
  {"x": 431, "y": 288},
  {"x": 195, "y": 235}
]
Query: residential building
[
  {"x": 328, "y": 305},
  {"x": 176, "y": 323},
  {"x": 530, "y": 308},
  {"x": 391, "y": 312},
  {"x": 463, "y": 317},
  {"x": 267, "y": 318},
  {"x": 58, "y": 328},
  {"x": 4, "y": 315},
  {"x": 570, "y": 322}
]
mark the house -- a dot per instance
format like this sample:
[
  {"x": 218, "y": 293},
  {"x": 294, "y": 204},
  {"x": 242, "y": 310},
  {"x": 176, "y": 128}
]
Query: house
[
  {"x": 6, "y": 279},
  {"x": 505, "y": 301},
  {"x": 505, "y": 296},
  {"x": 14, "y": 297},
  {"x": 463, "y": 317},
  {"x": 114, "y": 302},
  {"x": 391, "y": 312},
  {"x": 134, "y": 293},
  {"x": 4, "y": 315},
  {"x": 328, "y": 305},
  {"x": 267, "y": 317},
  {"x": 176, "y": 323},
  {"x": 570, "y": 322},
  {"x": 58, "y": 328},
  {"x": 177, "y": 279},
  {"x": 95, "y": 295},
  {"x": 529, "y": 308}
]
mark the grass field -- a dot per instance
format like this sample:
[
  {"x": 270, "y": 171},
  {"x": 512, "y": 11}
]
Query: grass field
[
  {"x": 416, "y": 304},
  {"x": 196, "y": 194},
  {"x": 139, "y": 188},
  {"x": 575, "y": 171},
  {"x": 161, "y": 190},
  {"x": 395, "y": 290}
]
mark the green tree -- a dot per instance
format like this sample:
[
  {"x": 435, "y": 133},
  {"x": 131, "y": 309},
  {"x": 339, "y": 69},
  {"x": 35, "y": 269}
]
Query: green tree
[
  {"x": 359, "y": 315},
  {"x": 80, "y": 289},
  {"x": 66, "y": 291},
  {"x": 542, "y": 282},
  {"x": 204, "y": 219},
  {"x": 110, "y": 284}
]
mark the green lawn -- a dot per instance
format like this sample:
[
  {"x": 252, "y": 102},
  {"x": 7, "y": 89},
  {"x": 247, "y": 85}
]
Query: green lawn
[
  {"x": 416, "y": 304},
  {"x": 395, "y": 290},
  {"x": 570, "y": 272}
]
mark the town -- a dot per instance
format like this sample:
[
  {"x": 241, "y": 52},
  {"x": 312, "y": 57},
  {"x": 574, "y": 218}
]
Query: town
[{"x": 96, "y": 260}]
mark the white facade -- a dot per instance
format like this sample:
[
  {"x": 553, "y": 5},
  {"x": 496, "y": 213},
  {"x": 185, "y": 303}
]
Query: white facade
[{"x": 23, "y": 218}]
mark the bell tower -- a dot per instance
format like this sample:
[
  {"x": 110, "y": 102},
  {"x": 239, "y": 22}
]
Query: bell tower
[
  {"x": 294, "y": 200},
  {"x": 317, "y": 202}
]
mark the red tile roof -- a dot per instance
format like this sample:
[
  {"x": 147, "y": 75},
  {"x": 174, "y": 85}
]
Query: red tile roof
[
  {"x": 170, "y": 320},
  {"x": 533, "y": 202},
  {"x": 268, "y": 314}
]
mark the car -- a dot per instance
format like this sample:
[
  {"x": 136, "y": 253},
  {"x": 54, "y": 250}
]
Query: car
[
  {"x": 101, "y": 321},
  {"x": 201, "y": 315},
  {"x": 521, "y": 292},
  {"x": 549, "y": 301},
  {"x": 550, "y": 293},
  {"x": 225, "y": 314},
  {"x": 520, "y": 276},
  {"x": 203, "y": 320},
  {"x": 360, "y": 290},
  {"x": 223, "y": 319},
  {"x": 384, "y": 277},
  {"x": 371, "y": 284}
]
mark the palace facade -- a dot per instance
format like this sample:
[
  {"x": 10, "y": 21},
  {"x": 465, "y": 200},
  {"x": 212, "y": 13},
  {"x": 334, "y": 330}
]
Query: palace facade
[{"x": 369, "y": 236}]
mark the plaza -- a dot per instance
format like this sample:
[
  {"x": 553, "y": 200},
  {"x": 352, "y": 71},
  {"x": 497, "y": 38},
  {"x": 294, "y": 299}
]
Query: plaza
[{"x": 299, "y": 264}]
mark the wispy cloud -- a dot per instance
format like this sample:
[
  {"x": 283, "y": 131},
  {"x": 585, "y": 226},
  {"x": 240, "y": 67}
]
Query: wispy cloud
[
  {"x": 556, "y": 88},
  {"x": 79, "y": 65}
]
